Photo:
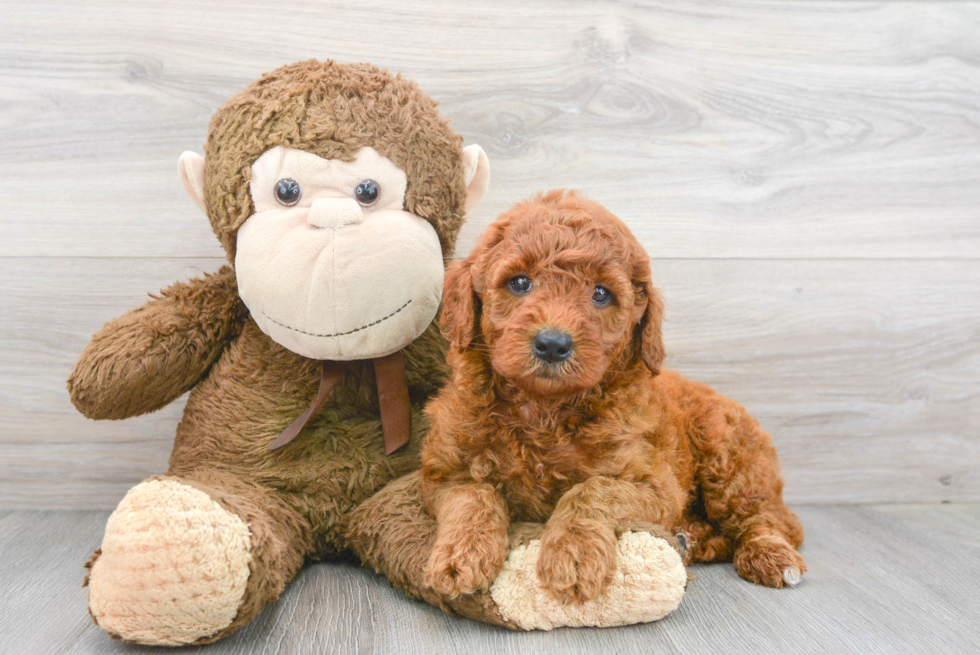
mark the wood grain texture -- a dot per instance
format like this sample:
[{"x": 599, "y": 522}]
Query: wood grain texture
[
  {"x": 863, "y": 371},
  {"x": 805, "y": 177},
  {"x": 882, "y": 579},
  {"x": 747, "y": 129}
]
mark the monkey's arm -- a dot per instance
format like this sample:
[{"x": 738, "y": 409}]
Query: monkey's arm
[{"x": 148, "y": 357}]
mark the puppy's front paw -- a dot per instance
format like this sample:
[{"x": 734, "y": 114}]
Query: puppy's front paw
[
  {"x": 769, "y": 561},
  {"x": 463, "y": 565},
  {"x": 577, "y": 562}
]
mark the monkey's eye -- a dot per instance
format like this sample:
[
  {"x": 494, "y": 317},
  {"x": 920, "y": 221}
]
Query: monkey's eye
[
  {"x": 367, "y": 192},
  {"x": 288, "y": 192},
  {"x": 520, "y": 284},
  {"x": 601, "y": 296}
]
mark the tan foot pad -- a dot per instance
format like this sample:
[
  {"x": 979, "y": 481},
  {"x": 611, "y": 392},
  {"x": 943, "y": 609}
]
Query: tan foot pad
[
  {"x": 173, "y": 567},
  {"x": 648, "y": 585}
]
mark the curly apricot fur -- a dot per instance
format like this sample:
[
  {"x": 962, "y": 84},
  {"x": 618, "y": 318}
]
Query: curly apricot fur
[{"x": 596, "y": 442}]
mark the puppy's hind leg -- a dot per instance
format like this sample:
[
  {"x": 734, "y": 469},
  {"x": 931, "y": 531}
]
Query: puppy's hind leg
[
  {"x": 766, "y": 552},
  {"x": 742, "y": 491}
]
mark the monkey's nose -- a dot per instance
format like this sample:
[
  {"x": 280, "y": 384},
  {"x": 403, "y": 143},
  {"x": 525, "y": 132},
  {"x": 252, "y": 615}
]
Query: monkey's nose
[
  {"x": 334, "y": 212},
  {"x": 552, "y": 346}
]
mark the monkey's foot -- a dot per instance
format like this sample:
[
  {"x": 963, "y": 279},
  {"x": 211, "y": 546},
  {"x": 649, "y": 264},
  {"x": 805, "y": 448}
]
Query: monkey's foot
[
  {"x": 648, "y": 584},
  {"x": 172, "y": 568}
]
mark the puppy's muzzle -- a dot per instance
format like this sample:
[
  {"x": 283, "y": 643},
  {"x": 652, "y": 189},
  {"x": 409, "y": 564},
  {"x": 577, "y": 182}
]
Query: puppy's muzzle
[{"x": 552, "y": 346}]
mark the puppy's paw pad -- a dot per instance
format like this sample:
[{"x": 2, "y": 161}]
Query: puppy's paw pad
[
  {"x": 576, "y": 565},
  {"x": 792, "y": 576},
  {"x": 769, "y": 561},
  {"x": 570, "y": 580},
  {"x": 648, "y": 583},
  {"x": 441, "y": 576},
  {"x": 462, "y": 567}
]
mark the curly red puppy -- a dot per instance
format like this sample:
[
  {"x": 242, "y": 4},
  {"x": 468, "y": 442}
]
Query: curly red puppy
[{"x": 558, "y": 411}]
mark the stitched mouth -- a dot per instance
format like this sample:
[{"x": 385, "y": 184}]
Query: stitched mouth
[{"x": 338, "y": 334}]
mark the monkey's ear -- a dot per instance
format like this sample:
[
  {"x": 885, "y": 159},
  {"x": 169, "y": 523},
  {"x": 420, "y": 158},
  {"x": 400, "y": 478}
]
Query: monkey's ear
[
  {"x": 460, "y": 306},
  {"x": 650, "y": 328},
  {"x": 476, "y": 169},
  {"x": 190, "y": 168}
]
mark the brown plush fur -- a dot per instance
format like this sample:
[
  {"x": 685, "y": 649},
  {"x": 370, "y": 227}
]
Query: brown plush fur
[
  {"x": 592, "y": 443},
  {"x": 177, "y": 336},
  {"x": 245, "y": 388},
  {"x": 333, "y": 110}
]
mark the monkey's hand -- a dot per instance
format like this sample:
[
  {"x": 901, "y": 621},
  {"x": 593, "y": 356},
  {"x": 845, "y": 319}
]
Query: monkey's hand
[{"x": 148, "y": 357}]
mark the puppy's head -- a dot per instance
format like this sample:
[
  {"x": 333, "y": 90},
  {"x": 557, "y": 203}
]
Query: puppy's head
[{"x": 557, "y": 295}]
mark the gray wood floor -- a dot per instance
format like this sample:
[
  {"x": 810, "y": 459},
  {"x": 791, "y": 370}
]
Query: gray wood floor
[{"x": 882, "y": 579}]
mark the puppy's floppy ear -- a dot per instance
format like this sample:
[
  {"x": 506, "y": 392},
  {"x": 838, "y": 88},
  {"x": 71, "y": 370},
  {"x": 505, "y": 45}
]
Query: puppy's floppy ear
[
  {"x": 460, "y": 306},
  {"x": 649, "y": 329}
]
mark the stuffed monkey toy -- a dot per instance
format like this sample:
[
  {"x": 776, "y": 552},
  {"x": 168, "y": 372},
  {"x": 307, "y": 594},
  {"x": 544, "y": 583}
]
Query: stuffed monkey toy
[{"x": 337, "y": 192}]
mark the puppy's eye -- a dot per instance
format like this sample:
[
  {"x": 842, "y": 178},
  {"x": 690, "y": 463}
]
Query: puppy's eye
[
  {"x": 367, "y": 192},
  {"x": 520, "y": 284},
  {"x": 288, "y": 192},
  {"x": 601, "y": 295}
]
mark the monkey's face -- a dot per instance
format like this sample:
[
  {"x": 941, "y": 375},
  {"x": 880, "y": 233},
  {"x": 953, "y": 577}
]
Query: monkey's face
[
  {"x": 337, "y": 189},
  {"x": 330, "y": 265}
]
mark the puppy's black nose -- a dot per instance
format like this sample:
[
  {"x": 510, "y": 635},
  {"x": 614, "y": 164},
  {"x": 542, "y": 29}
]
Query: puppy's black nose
[{"x": 552, "y": 346}]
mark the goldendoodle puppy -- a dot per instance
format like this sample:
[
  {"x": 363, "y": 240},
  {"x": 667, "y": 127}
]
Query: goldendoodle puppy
[{"x": 558, "y": 411}]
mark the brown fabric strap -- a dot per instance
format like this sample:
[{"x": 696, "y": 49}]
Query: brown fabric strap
[
  {"x": 396, "y": 409},
  {"x": 330, "y": 374}
]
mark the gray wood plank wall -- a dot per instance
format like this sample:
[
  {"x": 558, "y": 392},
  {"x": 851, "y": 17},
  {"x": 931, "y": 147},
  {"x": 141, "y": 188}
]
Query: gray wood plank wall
[{"x": 806, "y": 176}]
